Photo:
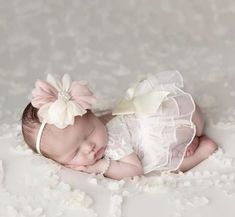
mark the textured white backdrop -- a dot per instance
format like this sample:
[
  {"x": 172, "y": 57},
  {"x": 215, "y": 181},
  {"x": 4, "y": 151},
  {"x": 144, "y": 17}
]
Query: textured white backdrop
[{"x": 109, "y": 43}]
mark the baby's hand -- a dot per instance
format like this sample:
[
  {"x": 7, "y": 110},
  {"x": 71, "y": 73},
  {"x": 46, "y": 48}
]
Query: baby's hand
[{"x": 97, "y": 167}]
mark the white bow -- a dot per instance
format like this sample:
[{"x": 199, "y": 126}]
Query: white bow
[{"x": 140, "y": 99}]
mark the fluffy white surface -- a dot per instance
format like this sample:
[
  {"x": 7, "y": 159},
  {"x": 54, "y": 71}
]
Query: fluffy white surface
[{"x": 110, "y": 43}]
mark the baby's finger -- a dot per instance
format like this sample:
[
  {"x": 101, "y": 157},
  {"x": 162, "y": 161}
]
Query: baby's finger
[
  {"x": 75, "y": 167},
  {"x": 80, "y": 168},
  {"x": 69, "y": 165},
  {"x": 83, "y": 168}
]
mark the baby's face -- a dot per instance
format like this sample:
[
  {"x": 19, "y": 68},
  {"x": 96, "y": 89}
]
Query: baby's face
[{"x": 80, "y": 144}]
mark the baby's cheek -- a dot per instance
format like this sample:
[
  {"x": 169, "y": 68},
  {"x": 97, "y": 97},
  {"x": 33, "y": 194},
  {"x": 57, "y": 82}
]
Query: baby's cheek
[{"x": 103, "y": 136}]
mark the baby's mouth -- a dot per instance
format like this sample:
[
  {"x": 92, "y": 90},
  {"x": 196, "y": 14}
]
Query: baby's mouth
[{"x": 99, "y": 153}]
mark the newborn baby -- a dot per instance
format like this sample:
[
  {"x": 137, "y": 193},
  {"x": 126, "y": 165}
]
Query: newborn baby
[{"x": 157, "y": 127}]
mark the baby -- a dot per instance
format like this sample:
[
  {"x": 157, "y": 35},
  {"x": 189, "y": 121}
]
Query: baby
[{"x": 155, "y": 127}]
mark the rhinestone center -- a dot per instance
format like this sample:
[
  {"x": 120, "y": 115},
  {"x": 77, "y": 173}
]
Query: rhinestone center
[{"x": 64, "y": 96}]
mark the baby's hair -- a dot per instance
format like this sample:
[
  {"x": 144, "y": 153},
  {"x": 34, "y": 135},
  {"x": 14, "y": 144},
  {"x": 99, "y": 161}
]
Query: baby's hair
[{"x": 30, "y": 124}]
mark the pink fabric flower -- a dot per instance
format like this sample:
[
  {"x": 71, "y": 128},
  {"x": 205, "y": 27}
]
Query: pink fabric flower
[{"x": 60, "y": 101}]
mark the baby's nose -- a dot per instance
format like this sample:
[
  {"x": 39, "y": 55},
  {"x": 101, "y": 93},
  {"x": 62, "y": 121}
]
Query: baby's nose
[{"x": 88, "y": 147}]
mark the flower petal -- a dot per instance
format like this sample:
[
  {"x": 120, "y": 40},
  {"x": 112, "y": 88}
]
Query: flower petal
[
  {"x": 43, "y": 112},
  {"x": 84, "y": 101},
  {"x": 66, "y": 82},
  {"x": 82, "y": 95},
  {"x": 61, "y": 113},
  {"x": 77, "y": 109},
  {"x": 57, "y": 110},
  {"x": 80, "y": 88},
  {"x": 54, "y": 82},
  {"x": 43, "y": 93}
]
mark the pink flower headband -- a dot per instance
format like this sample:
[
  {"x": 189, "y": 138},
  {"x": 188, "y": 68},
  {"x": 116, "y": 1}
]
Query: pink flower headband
[{"x": 60, "y": 101}]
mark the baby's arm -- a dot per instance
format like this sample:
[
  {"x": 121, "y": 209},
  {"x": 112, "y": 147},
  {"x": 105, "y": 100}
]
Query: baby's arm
[{"x": 128, "y": 166}]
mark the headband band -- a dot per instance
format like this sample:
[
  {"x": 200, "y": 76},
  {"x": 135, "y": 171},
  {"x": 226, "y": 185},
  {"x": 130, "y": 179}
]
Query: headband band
[{"x": 39, "y": 137}]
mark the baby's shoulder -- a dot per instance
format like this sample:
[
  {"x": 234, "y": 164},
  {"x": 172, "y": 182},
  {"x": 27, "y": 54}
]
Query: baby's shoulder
[
  {"x": 115, "y": 121},
  {"x": 123, "y": 118}
]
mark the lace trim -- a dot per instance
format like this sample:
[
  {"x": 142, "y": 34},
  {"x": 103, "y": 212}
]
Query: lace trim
[{"x": 119, "y": 144}]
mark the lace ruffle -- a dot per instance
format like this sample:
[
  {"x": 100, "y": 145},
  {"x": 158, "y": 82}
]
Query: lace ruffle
[
  {"x": 160, "y": 140},
  {"x": 119, "y": 144}
]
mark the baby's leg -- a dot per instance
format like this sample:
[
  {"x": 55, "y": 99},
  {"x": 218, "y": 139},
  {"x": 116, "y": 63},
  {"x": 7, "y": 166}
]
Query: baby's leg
[
  {"x": 199, "y": 123},
  {"x": 192, "y": 147},
  {"x": 205, "y": 149}
]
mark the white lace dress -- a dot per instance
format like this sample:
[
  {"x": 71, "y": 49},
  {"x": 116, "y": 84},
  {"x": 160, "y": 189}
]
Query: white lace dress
[{"x": 159, "y": 138}]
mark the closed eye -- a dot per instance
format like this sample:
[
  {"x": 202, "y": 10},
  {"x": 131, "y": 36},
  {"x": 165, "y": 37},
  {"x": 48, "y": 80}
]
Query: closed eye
[
  {"x": 75, "y": 153},
  {"x": 91, "y": 132}
]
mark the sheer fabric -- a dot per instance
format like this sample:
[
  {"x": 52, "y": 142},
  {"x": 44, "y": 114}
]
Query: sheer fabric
[{"x": 160, "y": 139}]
